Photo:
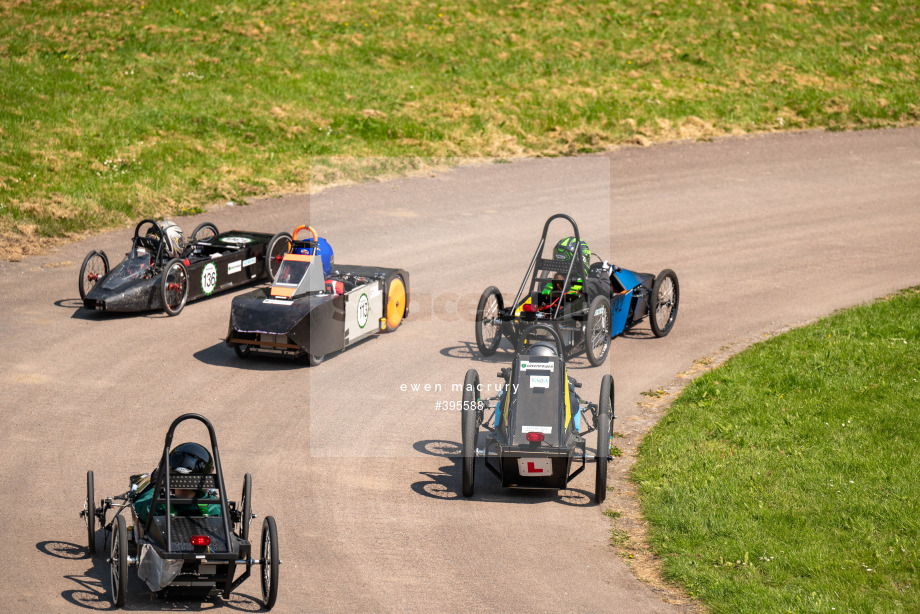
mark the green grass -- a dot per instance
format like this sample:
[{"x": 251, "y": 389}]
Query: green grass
[
  {"x": 788, "y": 479},
  {"x": 112, "y": 111}
]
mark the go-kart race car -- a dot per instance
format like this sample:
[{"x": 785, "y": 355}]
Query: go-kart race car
[
  {"x": 163, "y": 272},
  {"x": 314, "y": 307},
  {"x": 195, "y": 549},
  {"x": 587, "y": 303},
  {"x": 533, "y": 435}
]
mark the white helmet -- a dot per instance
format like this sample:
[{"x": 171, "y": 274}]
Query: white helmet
[{"x": 174, "y": 242}]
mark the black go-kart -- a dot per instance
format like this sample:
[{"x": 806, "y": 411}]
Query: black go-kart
[
  {"x": 183, "y": 555},
  {"x": 156, "y": 274},
  {"x": 587, "y": 303},
  {"x": 533, "y": 437}
]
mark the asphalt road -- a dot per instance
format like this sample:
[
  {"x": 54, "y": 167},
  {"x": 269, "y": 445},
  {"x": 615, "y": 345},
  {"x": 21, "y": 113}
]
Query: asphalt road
[{"x": 763, "y": 232}]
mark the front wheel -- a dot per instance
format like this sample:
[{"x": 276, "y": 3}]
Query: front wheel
[
  {"x": 396, "y": 303},
  {"x": 174, "y": 287},
  {"x": 90, "y": 513},
  {"x": 246, "y": 507},
  {"x": 488, "y": 321},
  {"x": 663, "y": 303},
  {"x": 314, "y": 360},
  {"x": 204, "y": 231},
  {"x": 597, "y": 331},
  {"x": 95, "y": 267},
  {"x": 268, "y": 562},
  {"x": 279, "y": 245},
  {"x": 469, "y": 426},
  {"x": 241, "y": 349},
  {"x": 604, "y": 421},
  {"x": 118, "y": 562}
]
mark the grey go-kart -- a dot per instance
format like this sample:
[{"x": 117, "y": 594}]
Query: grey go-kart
[
  {"x": 186, "y": 555},
  {"x": 536, "y": 425}
]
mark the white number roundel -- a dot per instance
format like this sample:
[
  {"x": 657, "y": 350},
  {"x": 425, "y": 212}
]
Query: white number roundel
[
  {"x": 363, "y": 311},
  {"x": 209, "y": 278}
]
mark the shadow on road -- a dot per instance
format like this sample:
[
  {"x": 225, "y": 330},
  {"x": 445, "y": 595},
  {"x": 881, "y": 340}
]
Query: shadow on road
[
  {"x": 92, "y": 592},
  {"x": 219, "y": 355},
  {"x": 445, "y": 482},
  {"x": 505, "y": 354}
]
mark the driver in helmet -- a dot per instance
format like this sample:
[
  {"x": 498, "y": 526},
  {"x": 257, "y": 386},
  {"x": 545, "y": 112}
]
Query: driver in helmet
[
  {"x": 173, "y": 239},
  {"x": 184, "y": 459},
  {"x": 564, "y": 251}
]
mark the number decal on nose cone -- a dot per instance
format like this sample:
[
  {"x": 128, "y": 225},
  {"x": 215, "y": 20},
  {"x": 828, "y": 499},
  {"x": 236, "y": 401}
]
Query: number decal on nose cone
[
  {"x": 363, "y": 311},
  {"x": 209, "y": 278}
]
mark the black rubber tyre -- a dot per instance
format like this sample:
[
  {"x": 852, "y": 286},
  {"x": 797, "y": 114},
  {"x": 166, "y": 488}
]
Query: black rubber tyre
[
  {"x": 95, "y": 267},
  {"x": 246, "y": 507},
  {"x": 314, "y": 361},
  {"x": 470, "y": 417},
  {"x": 277, "y": 248},
  {"x": 268, "y": 562},
  {"x": 204, "y": 231},
  {"x": 90, "y": 513},
  {"x": 604, "y": 424},
  {"x": 488, "y": 330},
  {"x": 662, "y": 308},
  {"x": 241, "y": 349},
  {"x": 597, "y": 331},
  {"x": 118, "y": 562},
  {"x": 174, "y": 287}
]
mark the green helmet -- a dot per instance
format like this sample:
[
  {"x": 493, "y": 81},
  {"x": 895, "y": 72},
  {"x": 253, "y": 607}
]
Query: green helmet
[{"x": 566, "y": 247}]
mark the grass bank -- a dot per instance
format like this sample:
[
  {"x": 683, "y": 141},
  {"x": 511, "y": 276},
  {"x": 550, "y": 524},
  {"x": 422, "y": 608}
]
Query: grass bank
[
  {"x": 788, "y": 479},
  {"x": 113, "y": 111}
]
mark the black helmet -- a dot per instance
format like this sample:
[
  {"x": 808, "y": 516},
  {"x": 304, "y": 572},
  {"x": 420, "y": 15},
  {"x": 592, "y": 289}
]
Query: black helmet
[
  {"x": 190, "y": 458},
  {"x": 543, "y": 348}
]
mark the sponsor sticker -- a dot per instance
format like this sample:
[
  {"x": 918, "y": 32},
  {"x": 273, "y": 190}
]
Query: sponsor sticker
[
  {"x": 364, "y": 309},
  {"x": 535, "y": 466},
  {"x": 546, "y": 430},
  {"x": 274, "y": 301},
  {"x": 374, "y": 292},
  {"x": 234, "y": 267},
  {"x": 539, "y": 381},
  {"x": 209, "y": 278},
  {"x": 538, "y": 366},
  {"x": 249, "y": 261},
  {"x": 236, "y": 240}
]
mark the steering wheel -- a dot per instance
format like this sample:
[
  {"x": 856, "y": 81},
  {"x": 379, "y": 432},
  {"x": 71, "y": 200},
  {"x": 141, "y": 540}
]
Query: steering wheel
[
  {"x": 152, "y": 239},
  {"x": 305, "y": 227}
]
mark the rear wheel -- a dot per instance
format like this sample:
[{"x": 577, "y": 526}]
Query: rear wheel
[
  {"x": 315, "y": 359},
  {"x": 663, "y": 303},
  {"x": 268, "y": 561},
  {"x": 396, "y": 302},
  {"x": 246, "y": 507},
  {"x": 488, "y": 321},
  {"x": 469, "y": 424},
  {"x": 279, "y": 245},
  {"x": 118, "y": 562},
  {"x": 604, "y": 421},
  {"x": 174, "y": 287},
  {"x": 204, "y": 231},
  {"x": 597, "y": 331},
  {"x": 90, "y": 513},
  {"x": 95, "y": 267}
]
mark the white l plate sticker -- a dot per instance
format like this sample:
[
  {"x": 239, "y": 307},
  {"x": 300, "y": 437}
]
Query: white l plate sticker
[
  {"x": 539, "y": 381},
  {"x": 535, "y": 466}
]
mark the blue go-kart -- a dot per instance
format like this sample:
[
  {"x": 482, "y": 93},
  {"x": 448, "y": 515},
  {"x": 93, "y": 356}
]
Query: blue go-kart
[{"x": 586, "y": 303}]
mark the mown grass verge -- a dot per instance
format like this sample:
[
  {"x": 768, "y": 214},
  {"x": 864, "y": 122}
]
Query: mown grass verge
[
  {"x": 113, "y": 111},
  {"x": 788, "y": 479}
]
